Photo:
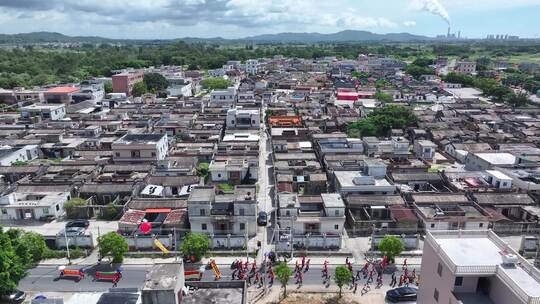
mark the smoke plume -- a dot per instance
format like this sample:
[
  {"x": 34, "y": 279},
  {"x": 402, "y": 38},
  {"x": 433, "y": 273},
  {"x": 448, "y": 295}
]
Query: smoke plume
[{"x": 433, "y": 6}]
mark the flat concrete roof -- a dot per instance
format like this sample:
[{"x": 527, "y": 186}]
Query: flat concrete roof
[
  {"x": 211, "y": 296},
  {"x": 480, "y": 251},
  {"x": 497, "y": 158}
]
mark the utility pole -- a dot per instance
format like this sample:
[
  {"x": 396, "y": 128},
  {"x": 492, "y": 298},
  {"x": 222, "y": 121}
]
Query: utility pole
[{"x": 67, "y": 244}]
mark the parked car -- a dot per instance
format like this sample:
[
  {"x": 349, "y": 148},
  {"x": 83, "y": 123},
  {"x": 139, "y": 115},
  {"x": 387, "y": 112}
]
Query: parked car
[
  {"x": 78, "y": 223},
  {"x": 72, "y": 231},
  {"x": 262, "y": 219},
  {"x": 14, "y": 297},
  {"x": 402, "y": 294}
]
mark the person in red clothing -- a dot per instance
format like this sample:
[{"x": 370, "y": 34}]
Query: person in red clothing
[
  {"x": 307, "y": 266},
  {"x": 254, "y": 266},
  {"x": 370, "y": 277},
  {"x": 271, "y": 277},
  {"x": 246, "y": 263},
  {"x": 401, "y": 279}
]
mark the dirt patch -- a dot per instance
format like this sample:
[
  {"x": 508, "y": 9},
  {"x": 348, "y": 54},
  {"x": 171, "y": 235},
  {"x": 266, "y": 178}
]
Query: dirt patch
[{"x": 329, "y": 298}]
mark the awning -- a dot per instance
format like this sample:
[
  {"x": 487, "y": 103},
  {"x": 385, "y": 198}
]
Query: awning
[{"x": 158, "y": 210}]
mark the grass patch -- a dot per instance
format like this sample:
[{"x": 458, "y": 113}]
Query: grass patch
[{"x": 226, "y": 187}]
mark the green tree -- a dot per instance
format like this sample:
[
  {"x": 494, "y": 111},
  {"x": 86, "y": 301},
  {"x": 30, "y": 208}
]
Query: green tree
[
  {"x": 35, "y": 244},
  {"x": 384, "y": 97},
  {"x": 342, "y": 276},
  {"x": 108, "y": 87},
  {"x": 75, "y": 208},
  {"x": 113, "y": 245},
  {"x": 195, "y": 245},
  {"x": 203, "y": 170},
  {"x": 391, "y": 247},
  {"x": 12, "y": 269},
  {"x": 516, "y": 100},
  {"x": 417, "y": 71},
  {"x": 215, "y": 83},
  {"x": 283, "y": 273},
  {"x": 423, "y": 62},
  {"x": 155, "y": 82},
  {"x": 382, "y": 120},
  {"x": 139, "y": 89}
]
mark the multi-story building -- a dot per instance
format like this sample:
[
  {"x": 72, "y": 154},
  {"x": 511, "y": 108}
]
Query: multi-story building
[
  {"x": 60, "y": 94},
  {"x": 319, "y": 214},
  {"x": 465, "y": 67},
  {"x": 44, "y": 111},
  {"x": 225, "y": 98},
  {"x": 462, "y": 267},
  {"x": 234, "y": 170},
  {"x": 239, "y": 118},
  {"x": 252, "y": 66},
  {"x": 140, "y": 148},
  {"x": 10, "y": 155},
  {"x": 223, "y": 214},
  {"x": 424, "y": 149},
  {"x": 124, "y": 82},
  {"x": 179, "y": 86}
]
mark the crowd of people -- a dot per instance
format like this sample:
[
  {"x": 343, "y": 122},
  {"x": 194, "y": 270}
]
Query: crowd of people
[{"x": 371, "y": 273}]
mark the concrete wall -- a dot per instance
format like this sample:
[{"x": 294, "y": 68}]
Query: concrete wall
[
  {"x": 500, "y": 294},
  {"x": 431, "y": 280},
  {"x": 84, "y": 241},
  {"x": 147, "y": 242}
]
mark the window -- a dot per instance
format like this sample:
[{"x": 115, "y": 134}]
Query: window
[
  {"x": 4, "y": 211},
  {"x": 202, "y": 212},
  {"x": 57, "y": 207},
  {"x": 203, "y": 226},
  {"x": 337, "y": 212},
  {"x": 288, "y": 213},
  {"x": 117, "y": 154},
  {"x": 481, "y": 225},
  {"x": 439, "y": 269},
  {"x": 242, "y": 226},
  {"x": 153, "y": 154},
  {"x": 232, "y": 122},
  {"x": 336, "y": 227},
  {"x": 436, "y": 295},
  {"x": 241, "y": 211},
  {"x": 136, "y": 154},
  {"x": 432, "y": 225},
  {"x": 458, "y": 281},
  {"x": 219, "y": 175},
  {"x": 45, "y": 211}
]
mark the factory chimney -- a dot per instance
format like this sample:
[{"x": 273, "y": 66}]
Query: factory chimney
[{"x": 448, "y": 35}]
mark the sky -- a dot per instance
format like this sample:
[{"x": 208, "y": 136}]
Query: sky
[{"x": 163, "y": 19}]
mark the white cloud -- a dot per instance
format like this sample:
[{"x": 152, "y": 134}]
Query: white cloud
[{"x": 409, "y": 23}]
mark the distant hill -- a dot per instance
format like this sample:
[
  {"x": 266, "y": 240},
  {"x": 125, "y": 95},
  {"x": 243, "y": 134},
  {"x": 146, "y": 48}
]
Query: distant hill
[
  {"x": 44, "y": 37},
  {"x": 343, "y": 36}
]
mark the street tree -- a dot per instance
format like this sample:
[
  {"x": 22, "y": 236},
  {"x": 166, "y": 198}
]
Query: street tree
[
  {"x": 342, "y": 276},
  {"x": 107, "y": 86},
  {"x": 75, "y": 208},
  {"x": 384, "y": 97},
  {"x": 195, "y": 245},
  {"x": 12, "y": 268},
  {"x": 113, "y": 245},
  {"x": 391, "y": 247},
  {"x": 215, "y": 83},
  {"x": 283, "y": 273}
]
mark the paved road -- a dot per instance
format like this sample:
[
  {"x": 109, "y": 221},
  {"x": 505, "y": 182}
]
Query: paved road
[{"x": 45, "y": 279}]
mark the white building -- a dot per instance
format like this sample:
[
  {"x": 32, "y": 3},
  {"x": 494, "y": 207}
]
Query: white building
[
  {"x": 216, "y": 73},
  {"x": 252, "y": 66},
  {"x": 224, "y": 97},
  {"x": 224, "y": 214},
  {"x": 316, "y": 215},
  {"x": 10, "y": 155},
  {"x": 32, "y": 206},
  {"x": 498, "y": 179},
  {"x": 358, "y": 182},
  {"x": 462, "y": 267},
  {"x": 45, "y": 111},
  {"x": 424, "y": 149},
  {"x": 140, "y": 148},
  {"x": 234, "y": 170},
  {"x": 179, "y": 87},
  {"x": 239, "y": 118},
  {"x": 485, "y": 161}
]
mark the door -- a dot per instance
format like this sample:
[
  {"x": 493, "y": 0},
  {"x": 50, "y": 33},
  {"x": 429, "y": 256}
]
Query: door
[{"x": 483, "y": 286}]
